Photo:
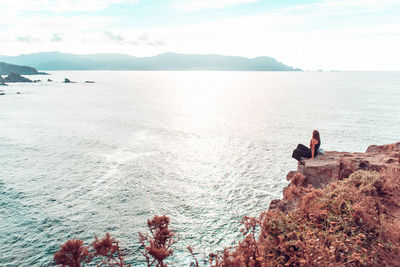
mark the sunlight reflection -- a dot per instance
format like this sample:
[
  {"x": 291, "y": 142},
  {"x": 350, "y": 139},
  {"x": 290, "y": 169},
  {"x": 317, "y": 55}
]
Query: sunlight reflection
[{"x": 203, "y": 98}]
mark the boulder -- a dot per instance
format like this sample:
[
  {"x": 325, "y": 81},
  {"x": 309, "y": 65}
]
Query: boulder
[
  {"x": 16, "y": 78},
  {"x": 383, "y": 148},
  {"x": 2, "y": 81}
]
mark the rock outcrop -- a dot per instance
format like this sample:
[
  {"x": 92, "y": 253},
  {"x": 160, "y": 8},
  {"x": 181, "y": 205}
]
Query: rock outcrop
[
  {"x": 339, "y": 165},
  {"x": 16, "y": 78},
  {"x": 333, "y": 166}
]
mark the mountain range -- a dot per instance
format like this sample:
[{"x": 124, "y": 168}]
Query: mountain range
[{"x": 167, "y": 61}]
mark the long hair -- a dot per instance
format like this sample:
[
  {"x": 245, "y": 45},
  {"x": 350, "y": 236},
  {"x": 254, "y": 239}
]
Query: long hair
[{"x": 315, "y": 135}]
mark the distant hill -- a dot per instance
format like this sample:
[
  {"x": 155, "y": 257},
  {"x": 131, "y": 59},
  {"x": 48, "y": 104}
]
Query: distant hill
[
  {"x": 166, "y": 61},
  {"x": 6, "y": 69}
]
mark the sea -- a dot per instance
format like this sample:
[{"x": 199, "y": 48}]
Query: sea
[{"x": 78, "y": 160}]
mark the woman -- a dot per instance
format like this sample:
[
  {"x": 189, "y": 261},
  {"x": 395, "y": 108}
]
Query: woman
[{"x": 304, "y": 152}]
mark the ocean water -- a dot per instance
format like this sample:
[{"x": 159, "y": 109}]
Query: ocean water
[{"x": 205, "y": 148}]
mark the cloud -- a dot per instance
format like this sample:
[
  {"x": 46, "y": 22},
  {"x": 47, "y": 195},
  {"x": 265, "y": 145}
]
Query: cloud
[
  {"x": 141, "y": 40},
  {"x": 28, "y": 39},
  {"x": 56, "y": 38},
  {"x": 113, "y": 37},
  {"x": 157, "y": 43},
  {"x": 196, "y": 5},
  {"x": 146, "y": 40}
]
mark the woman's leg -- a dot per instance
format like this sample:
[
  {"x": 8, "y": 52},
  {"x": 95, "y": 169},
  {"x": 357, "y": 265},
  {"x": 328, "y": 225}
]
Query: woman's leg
[
  {"x": 298, "y": 154},
  {"x": 302, "y": 147}
]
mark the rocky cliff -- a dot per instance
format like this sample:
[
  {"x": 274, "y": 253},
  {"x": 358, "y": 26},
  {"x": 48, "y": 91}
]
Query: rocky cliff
[
  {"x": 333, "y": 166},
  {"x": 340, "y": 209}
]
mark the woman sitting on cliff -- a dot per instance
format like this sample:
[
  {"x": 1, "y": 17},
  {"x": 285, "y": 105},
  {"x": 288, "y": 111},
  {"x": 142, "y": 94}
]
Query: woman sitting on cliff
[{"x": 304, "y": 152}]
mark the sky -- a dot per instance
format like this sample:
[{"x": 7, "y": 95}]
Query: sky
[{"x": 312, "y": 35}]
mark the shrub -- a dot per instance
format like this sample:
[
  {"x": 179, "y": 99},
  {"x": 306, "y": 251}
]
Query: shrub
[
  {"x": 104, "y": 252},
  {"x": 157, "y": 246},
  {"x": 348, "y": 223}
]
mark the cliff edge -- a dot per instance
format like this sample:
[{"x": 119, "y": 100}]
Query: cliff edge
[{"x": 334, "y": 166}]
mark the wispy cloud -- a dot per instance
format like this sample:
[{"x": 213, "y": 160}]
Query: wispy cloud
[
  {"x": 56, "y": 38},
  {"x": 195, "y": 5},
  {"x": 28, "y": 39},
  {"x": 113, "y": 37},
  {"x": 145, "y": 39}
]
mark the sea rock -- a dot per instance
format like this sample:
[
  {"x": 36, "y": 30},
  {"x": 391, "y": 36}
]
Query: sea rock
[
  {"x": 89, "y": 81},
  {"x": 49, "y": 80},
  {"x": 66, "y": 80},
  {"x": 2, "y": 81},
  {"x": 16, "y": 78}
]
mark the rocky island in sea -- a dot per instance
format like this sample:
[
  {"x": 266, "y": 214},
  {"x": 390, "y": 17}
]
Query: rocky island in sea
[{"x": 16, "y": 78}]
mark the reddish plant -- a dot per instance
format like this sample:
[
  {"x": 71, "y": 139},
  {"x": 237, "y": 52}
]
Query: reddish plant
[
  {"x": 353, "y": 222},
  {"x": 108, "y": 249},
  {"x": 105, "y": 252},
  {"x": 72, "y": 253},
  {"x": 196, "y": 262},
  {"x": 157, "y": 246}
]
